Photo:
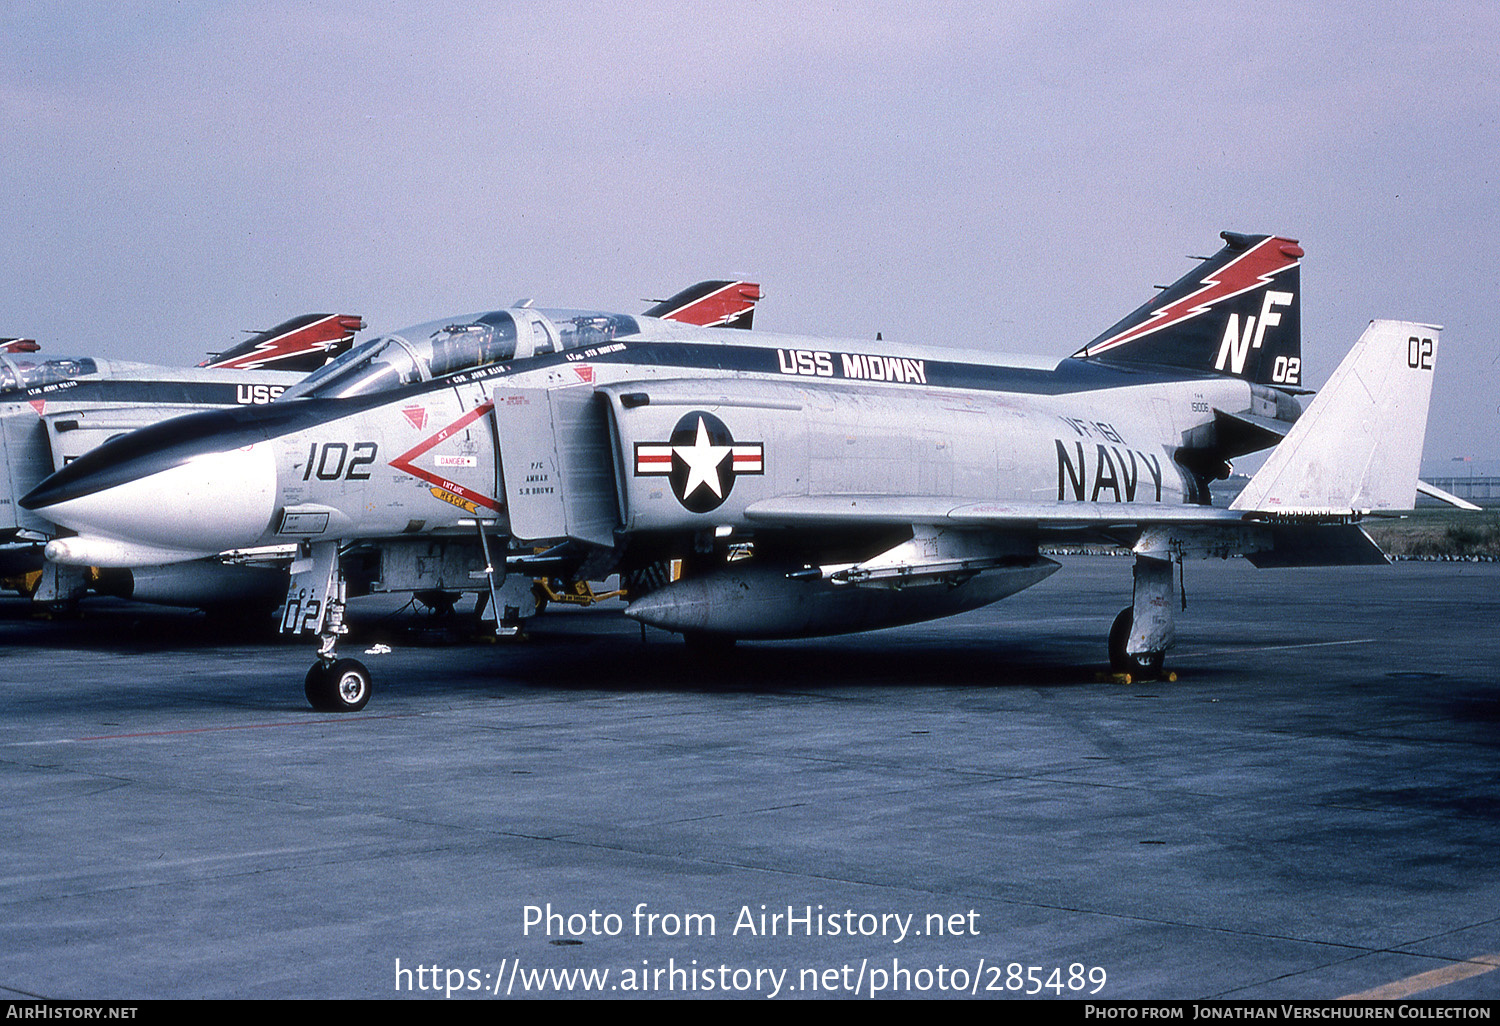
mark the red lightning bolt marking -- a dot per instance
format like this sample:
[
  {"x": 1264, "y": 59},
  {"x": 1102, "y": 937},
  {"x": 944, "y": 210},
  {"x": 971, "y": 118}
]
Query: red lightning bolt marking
[
  {"x": 1250, "y": 270},
  {"x": 404, "y": 461},
  {"x": 318, "y": 336}
]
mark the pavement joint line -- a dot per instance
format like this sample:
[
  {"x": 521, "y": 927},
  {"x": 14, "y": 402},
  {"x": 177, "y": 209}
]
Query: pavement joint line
[
  {"x": 178, "y": 881},
  {"x": 1404, "y": 949},
  {"x": 1352, "y": 957},
  {"x": 1268, "y": 648}
]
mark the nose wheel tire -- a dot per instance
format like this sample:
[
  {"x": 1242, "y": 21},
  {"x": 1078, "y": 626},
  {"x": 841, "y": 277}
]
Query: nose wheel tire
[
  {"x": 340, "y": 686},
  {"x": 1146, "y": 664}
]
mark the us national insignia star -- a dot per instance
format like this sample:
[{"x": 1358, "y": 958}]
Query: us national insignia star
[{"x": 701, "y": 460}]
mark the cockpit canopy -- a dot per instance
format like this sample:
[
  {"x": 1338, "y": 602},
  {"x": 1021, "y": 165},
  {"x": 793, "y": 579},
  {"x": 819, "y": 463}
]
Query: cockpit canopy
[
  {"x": 19, "y": 372},
  {"x": 440, "y": 348}
]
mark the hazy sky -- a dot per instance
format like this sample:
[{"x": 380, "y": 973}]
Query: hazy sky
[{"x": 1007, "y": 176}]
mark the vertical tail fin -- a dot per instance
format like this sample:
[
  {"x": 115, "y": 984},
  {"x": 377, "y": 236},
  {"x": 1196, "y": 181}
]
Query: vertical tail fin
[
  {"x": 1358, "y": 446},
  {"x": 711, "y": 304},
  {"x": 303, "y": 343},
  {"x": 1238, "y": 313}
]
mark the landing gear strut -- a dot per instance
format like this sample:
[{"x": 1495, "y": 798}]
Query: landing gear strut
[{"x": 1144, "y": 630}]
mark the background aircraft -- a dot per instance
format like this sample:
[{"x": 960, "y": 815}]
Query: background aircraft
[
  {"x": 54, "y": 409},
  {"x": 778, "y": 486}
]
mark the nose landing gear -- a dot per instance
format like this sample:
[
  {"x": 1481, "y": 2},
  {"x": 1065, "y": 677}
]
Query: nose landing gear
[
  {"x": 315, "y": 603},
  {"x": 341, "y": 685}
]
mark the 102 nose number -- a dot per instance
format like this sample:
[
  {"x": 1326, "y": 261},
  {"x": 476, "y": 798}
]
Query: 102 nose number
[{"x": 340, "y": 461}]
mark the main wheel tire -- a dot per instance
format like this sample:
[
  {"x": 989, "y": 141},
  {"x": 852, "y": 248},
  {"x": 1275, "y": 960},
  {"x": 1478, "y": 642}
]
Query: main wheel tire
[
  {"x": 1147, "y": 664},
  {"x": 342, "y": 686}
]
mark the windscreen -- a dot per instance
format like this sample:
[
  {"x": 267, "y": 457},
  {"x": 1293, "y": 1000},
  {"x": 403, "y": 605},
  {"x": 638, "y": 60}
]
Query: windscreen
[
  {"x": 440, "y": 348},
  {"x": 18, "y": 372}
]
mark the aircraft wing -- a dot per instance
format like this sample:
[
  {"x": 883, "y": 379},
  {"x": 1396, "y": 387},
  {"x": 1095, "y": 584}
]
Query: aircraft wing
[
  {"x": 1358, "y": 446},
  {"x": 1147, "y": 529},
  {"x": 815, "y": 510}
]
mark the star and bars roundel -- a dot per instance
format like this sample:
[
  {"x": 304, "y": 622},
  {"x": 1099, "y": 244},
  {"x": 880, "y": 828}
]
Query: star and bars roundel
[{"x": 701, "y": 461}]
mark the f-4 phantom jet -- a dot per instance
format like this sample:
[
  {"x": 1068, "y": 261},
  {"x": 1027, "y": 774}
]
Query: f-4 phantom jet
[{"x": 750, "y": 485}]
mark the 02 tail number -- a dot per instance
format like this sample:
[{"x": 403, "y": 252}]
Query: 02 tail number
[{"x": 1419, "y": 353}]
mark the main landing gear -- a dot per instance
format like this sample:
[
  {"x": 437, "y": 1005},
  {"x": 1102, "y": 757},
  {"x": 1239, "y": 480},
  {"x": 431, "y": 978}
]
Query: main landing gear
[
  {"x": 1143, "y": 631},
  {"x": 1144, "y": 665}
]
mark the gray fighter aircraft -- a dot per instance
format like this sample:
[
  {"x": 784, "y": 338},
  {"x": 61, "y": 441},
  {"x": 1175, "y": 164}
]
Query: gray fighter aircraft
[
  {"x": 54, "y": 409},
  {"x": 770, "y": 486}
]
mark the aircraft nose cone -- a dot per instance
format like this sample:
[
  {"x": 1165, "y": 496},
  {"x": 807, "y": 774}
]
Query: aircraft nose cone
[{"x": 166, "y": 488}]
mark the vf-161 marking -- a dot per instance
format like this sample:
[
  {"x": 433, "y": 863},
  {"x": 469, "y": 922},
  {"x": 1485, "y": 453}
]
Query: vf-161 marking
[{"x": 750, "y": 486}]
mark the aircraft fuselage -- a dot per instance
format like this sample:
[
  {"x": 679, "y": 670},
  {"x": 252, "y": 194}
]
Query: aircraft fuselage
[{"x": 491, "y": 444}]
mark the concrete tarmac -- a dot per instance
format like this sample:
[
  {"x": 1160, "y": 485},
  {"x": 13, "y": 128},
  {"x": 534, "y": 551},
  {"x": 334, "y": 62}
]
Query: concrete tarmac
[{"x": 1312, "y": 810}]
